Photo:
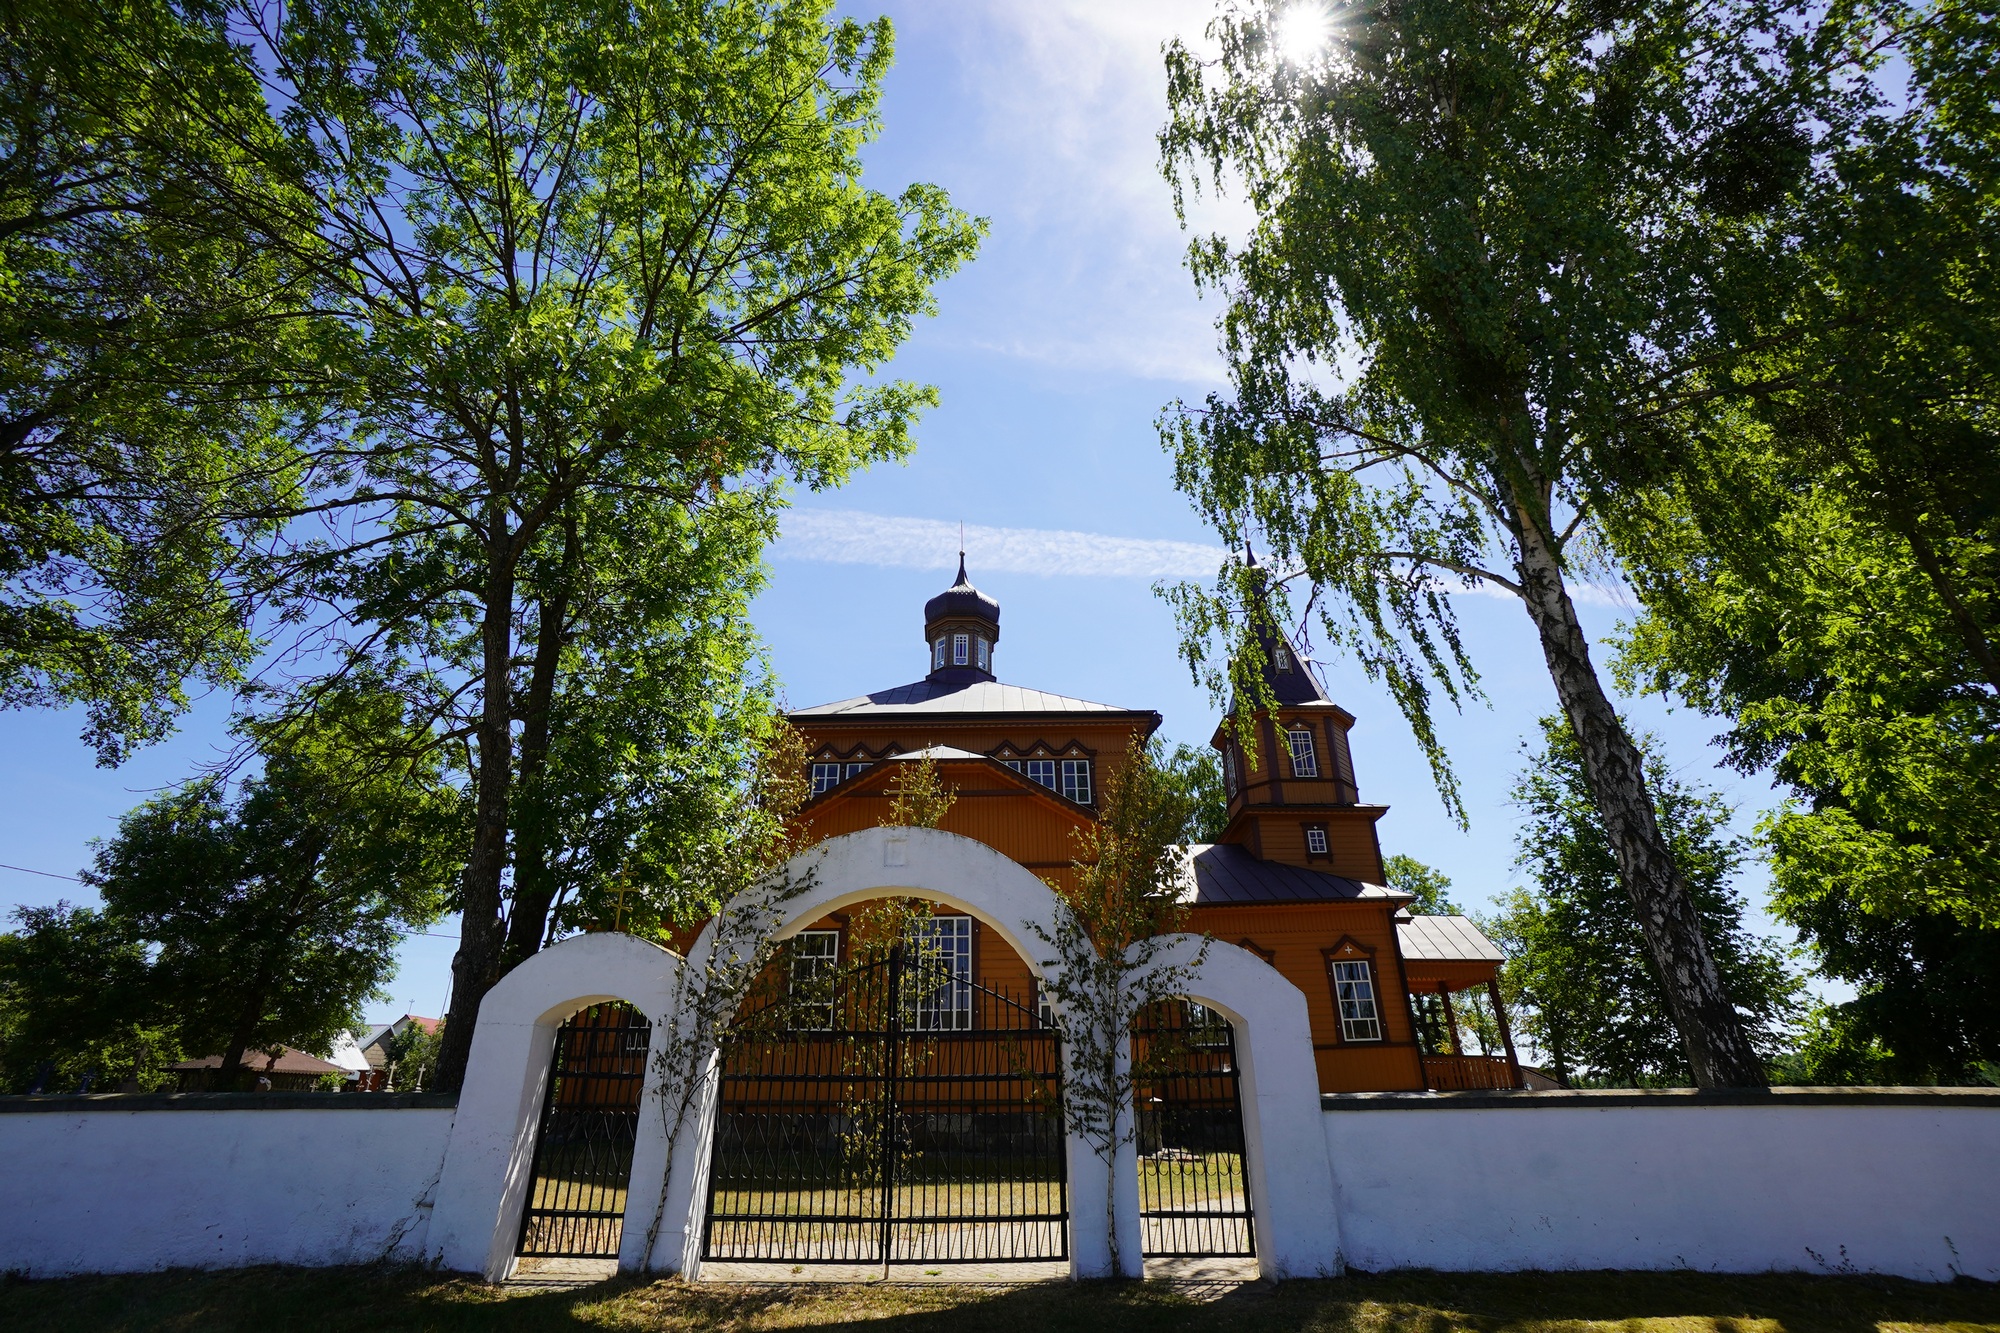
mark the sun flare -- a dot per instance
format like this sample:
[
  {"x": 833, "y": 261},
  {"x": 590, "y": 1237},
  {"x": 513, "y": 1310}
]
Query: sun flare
[{"x": 1303, "y": 31}]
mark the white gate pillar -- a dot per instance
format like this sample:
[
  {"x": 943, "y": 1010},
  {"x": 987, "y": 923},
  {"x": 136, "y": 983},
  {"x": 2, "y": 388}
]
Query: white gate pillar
[
  {"x": 1286, "y": 1165},
  {"x": 489, "y": 1160}
]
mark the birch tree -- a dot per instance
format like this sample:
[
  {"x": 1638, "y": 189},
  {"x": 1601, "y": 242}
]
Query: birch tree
[{"x": 1493, "y": 252}]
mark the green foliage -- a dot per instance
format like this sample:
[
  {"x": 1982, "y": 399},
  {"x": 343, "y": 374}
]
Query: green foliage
[
  {"x": 602, "y": 282},
  {"x": 1927, "y": 1002},
  {"x": 1431, "y": 888},
  {"x": 1130, "y": 867},
  {"x": 74, "y": 1004},
  {"x": 1823, "y": 570},
  {"x": 273, "y": 914},
  {"x": 147, "y": 353},
  {"x": 1489, "y": 239},
  {"x": 918, "y": 797},
  {"x": 1578, "y": 976},
  {"x": 1106, "y": 968},
  {"x": 1197, "y": 772},
  {"x": 413, "y": 1057}
]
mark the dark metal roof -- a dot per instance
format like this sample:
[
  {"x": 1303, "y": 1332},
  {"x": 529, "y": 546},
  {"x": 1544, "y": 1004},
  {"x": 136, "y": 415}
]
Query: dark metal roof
[
  {"x": 962, "y": 599},
  {"x": 959, "y": 697},
  {"x": 1224, "y": 873},
  {"x": 1299, "y": 684}
]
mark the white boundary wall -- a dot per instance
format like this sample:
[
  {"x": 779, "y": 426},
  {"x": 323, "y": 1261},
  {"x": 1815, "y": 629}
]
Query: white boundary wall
[
  {"x": 1897, "y": 1181},
  {"x": 88, "y": 1186}
]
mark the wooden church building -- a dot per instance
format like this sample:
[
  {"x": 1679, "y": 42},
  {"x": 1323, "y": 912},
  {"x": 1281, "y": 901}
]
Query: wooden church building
[{"x": 1296, "y": 876}]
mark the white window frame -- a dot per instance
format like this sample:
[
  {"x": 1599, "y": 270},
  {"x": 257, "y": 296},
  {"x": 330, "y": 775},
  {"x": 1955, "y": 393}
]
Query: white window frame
[
  {"x": 814, "y": 954},
  {"x": 1036, "y": 770},
  {"x": 947, "y": 1007},
  {"x": 961, "y": 649},
  {"x": 937, "y": 658},
  {"x": 1076, "y": 780},
  {"x": 1354, "y": 997},
  {"x": 825, "y": 776},
  {"x": 1305, "y": 755},
  {"x": 985, "y": 650},
  {"x": 853, "y": 770},
  {"x": 1315, "y": 834},
  {"x": 1281, "y": 657}
]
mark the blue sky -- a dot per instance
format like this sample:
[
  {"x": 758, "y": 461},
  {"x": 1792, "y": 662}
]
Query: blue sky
[{"x": 1053, "y": 353}]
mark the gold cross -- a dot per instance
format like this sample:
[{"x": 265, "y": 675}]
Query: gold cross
[{"x": 618, "y": 914}]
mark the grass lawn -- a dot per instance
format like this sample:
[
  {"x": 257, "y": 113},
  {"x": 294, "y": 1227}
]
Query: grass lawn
[{"x": 371, "y": 1299}]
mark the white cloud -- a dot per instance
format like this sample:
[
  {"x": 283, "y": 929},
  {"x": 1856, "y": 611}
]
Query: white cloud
[
  {"x": 851, "y": 537},
  {"x": 1051, "y": 134},
  {"x": 854, "y": 537}
]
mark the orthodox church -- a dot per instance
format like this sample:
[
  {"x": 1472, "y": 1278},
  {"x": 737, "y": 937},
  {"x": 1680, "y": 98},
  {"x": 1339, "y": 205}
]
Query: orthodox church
[{"x": 1296, "y": 877}]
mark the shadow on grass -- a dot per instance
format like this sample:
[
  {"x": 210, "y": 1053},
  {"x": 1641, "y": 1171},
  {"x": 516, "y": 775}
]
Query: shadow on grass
[{"x": 1412, "y": 1302}]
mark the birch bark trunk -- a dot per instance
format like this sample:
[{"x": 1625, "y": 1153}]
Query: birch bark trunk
[{"x": 1718, "y": 1045}]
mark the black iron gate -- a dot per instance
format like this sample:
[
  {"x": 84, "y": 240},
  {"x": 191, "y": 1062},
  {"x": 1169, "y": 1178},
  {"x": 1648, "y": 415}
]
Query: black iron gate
[
  {"x": 583, "y": 1148},
  {"x": 893, "y": 1111},
  {"x": 1194, "y": 1186}
]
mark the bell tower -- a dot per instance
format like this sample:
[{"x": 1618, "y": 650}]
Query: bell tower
[
  {"x": 961, "y": 629},
  {"x": 1288, "y": 774}
]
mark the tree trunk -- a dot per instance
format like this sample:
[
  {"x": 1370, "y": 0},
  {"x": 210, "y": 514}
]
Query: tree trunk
[
  {"x": 533, "y": 893},
  {"x": 1969, "y": 629},
  {"x": 1718, "y": 1046},
  {"x": 230, "y": 1074},
  {"x": 476, "y": 965}
]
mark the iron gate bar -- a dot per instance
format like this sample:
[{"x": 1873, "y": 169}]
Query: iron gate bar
[
  {"x": 1192, "y": 1167},
  {"x": 590, "y": 1119},
  {"x": 884, "y": 1136}
]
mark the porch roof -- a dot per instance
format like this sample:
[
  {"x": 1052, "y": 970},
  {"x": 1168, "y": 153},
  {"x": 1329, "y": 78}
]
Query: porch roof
[{"x": 1446, "y": 953}]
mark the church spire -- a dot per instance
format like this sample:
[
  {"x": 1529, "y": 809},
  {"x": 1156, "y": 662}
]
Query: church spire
[{"x": 961, "y": 627}]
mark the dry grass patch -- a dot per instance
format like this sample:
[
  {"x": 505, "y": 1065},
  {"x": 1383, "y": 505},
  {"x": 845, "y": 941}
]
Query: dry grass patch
[{"x": 398, "y": 1299}]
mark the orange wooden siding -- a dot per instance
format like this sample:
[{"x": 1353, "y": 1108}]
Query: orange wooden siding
[
  {"x": 1352, "y": 847},
  {"x": 1034, "y": 831},
  {"x": 1295, "y": 936}
]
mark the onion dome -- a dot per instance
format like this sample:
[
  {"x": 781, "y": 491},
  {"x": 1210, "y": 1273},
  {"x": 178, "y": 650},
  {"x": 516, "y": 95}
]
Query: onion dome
[
  {"x": 962, "y": 599},
  {"x": 961, "y": 626}
]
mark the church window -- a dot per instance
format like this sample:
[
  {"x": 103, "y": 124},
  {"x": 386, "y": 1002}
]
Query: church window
[
  {"x": 1305, "y": 762},
  {"x": 961, "y": 649},
  {"x": 825, "y": 777},
  {"x": 1076, "y": 780},
  {"x": 1354, "y": 988},
  {"x": 1316, "y": 839},
  {"x": 937, "y": 659},
  {"x": 853, "y": 770},
  {"x": 940, "y": 951},
  {"x": 1281, "y": 656},
  {"x": 815, "y": 964},
  {"x": 1036, "y": 770},
  {"x": 985, "y": 654},
  {"x": 1229, "y": 768}
]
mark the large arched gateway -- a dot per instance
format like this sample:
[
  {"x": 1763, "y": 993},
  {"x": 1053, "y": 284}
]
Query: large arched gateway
[{"x": 490, "y": 1167}]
